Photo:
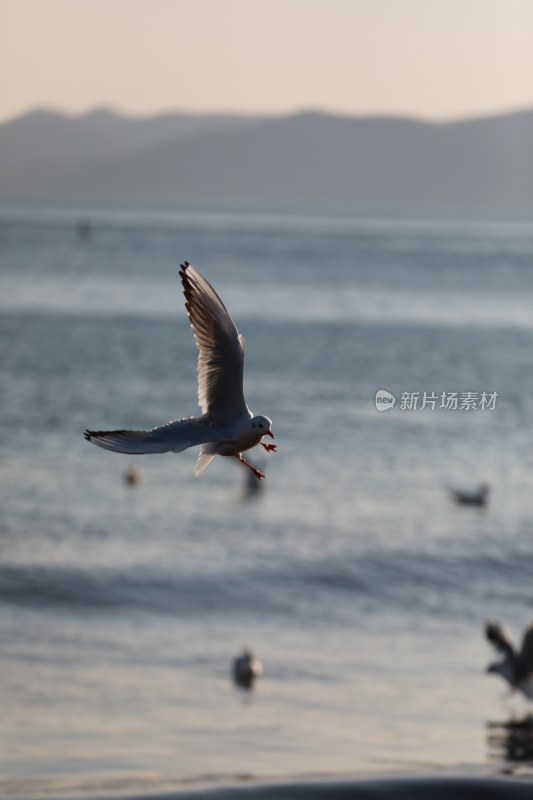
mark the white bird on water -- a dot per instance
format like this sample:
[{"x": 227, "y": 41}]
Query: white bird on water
[{"x": 226, "y": 427}]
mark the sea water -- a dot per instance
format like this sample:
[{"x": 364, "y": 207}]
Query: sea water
[{"x": 350, "y": 572}]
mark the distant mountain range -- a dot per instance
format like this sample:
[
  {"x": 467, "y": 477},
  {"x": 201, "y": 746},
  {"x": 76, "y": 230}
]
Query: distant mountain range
[{"x": 308, "y": 162}]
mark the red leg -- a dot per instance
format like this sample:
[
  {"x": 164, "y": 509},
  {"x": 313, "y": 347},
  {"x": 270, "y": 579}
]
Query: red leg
[
  {"x": 270, "y": 448},
  {"x": 256, "y": 472}
]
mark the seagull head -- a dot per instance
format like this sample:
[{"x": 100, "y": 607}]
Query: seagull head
[{"x": 262, "y": 425}]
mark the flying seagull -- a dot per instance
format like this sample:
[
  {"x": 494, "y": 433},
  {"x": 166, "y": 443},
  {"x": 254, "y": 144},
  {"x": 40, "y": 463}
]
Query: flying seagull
[
  {"x": 226, "y": 427},
  {"x": 517, "y": 665}
]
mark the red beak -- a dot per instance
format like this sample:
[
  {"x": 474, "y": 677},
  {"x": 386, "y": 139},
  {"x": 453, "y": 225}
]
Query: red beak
[{"x": 269, "y": 433}]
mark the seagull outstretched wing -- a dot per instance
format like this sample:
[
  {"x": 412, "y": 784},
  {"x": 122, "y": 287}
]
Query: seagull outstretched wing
[
  {"x": 221, "y": 349},
  {"x": 172, "y": 437}
]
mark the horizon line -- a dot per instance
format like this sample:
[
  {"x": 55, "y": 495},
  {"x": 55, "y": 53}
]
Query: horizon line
[{"x": 114, "y": 110}]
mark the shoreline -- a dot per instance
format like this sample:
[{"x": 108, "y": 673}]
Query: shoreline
[{"x": 465, "y": 784}]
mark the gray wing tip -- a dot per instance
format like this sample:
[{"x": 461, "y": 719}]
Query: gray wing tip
[
  {"x": 185, "y": 278},
  {"x": 499, "y": 636},
  {"x": 90, "y": 435},
  {"x": 188, "y": 287},
  {"x": 492, "y": 628}
]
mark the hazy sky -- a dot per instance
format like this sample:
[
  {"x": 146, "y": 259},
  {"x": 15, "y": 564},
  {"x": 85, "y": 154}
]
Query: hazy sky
[{"x": 436, "y": 58}]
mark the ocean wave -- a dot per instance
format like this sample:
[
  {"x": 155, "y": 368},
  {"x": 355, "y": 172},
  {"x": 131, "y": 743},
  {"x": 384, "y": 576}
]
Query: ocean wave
[
  {"x": 336, "y": 304},
  {"x": 436, "y": 583}
]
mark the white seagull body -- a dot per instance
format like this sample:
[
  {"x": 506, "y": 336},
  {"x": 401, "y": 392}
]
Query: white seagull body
[{"x": 226, "y": 427}]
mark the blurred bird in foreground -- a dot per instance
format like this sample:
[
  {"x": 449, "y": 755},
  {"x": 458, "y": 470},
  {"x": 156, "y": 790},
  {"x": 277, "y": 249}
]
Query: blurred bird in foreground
[
  {"x": 516, "y": 667},
  {"x": 227, "y": 426},
  {"x": 246, "y": 669}
]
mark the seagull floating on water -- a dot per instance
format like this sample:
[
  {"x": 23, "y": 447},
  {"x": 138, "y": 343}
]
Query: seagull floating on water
[
  {"x": 133, "y": 476},
  {"x": 246, "y": 668},
  {"x": 226, "y": 427},
  {"x": 517, "y": 665},
  {"x": 477, "y": 497}
]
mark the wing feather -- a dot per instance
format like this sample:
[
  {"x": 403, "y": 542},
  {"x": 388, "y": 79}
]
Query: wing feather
[
  {"x": 204, "y": 459},
  {"x": 524, "y": 666},
  {"x": 500, "y": 637},
  {"x": 220, "y": 346},
  {"x": 172, "y": 437}
]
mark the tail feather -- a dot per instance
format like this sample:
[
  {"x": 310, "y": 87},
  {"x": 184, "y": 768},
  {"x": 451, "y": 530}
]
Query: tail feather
[{"x": 204, "y": 459}]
